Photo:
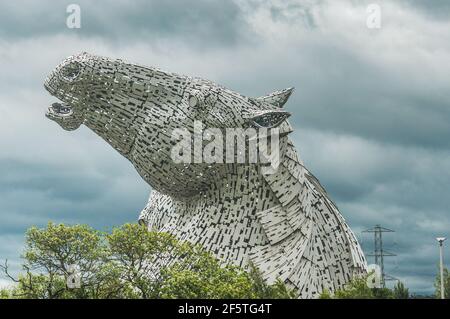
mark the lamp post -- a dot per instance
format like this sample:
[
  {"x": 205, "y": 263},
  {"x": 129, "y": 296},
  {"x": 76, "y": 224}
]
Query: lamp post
[{"x": 441, "y": 264}]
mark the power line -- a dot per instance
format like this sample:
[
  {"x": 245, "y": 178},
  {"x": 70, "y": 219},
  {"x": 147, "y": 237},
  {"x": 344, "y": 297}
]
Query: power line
[{"x": 379, "y": 252}]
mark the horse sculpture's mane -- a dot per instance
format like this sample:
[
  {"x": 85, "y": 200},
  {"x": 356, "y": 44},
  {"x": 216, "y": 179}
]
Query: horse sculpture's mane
[
  {"x": 284, "y": 223},
  {"x": 324, "y": 254}
]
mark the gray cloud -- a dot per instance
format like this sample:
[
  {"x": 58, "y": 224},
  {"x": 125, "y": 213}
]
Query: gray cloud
[
  {"x": 57, "y": 182},
  {"x": 204, "y": 23},
  {"x": 433, "y": 8}
]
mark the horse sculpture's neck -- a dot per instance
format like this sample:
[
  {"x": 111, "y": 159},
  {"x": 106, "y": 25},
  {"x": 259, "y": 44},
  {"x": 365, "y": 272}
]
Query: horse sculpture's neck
[{"x": 283, "y": 223}]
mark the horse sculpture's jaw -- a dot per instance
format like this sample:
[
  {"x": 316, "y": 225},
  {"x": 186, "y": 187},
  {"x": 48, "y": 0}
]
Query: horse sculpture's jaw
[{"x": 283, "y": 222}]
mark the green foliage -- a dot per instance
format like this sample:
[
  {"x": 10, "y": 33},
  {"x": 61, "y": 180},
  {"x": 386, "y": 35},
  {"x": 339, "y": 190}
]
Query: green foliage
[
  {"x": 325, "y": 294},
  {"x": 129, "y": 262},
  {"x": 5, "y": 293},
  {"x": 214, "y": 282},
  {"x": 383, "y": 293},
  {"x": 357, "y": 289},
  {"x": 437, "y": 284},
  {"x": 400, "y": 291},
  {"x": 275, "y": 291},
  {"x": 49, "y": 254}
]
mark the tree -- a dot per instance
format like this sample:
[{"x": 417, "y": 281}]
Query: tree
[
  {"x": 400, "y": 291},
  {"x": 326, "y": 294},
  {"x": 146, "y": 262},
  {"x": 129, "y": 262},
  {"x": 437, "y": 285},
  {"x": 5, "y": 293},
  {"x": 140, "y": 255},
  {"x": 265, "y": 291},
  {"x": 357, "y": 288},
  {"x": 383, "y": 293},
  {"x": 51, "y": 253}
]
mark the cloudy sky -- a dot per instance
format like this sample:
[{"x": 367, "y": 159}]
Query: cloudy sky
[{"x": 371, "y": 109}]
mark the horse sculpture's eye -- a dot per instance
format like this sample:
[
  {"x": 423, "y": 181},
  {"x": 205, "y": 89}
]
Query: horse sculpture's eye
[
  {"x": 71, "y": 71},
  {"x": 193, "y": 101}
]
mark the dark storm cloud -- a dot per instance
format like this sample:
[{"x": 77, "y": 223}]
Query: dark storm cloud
[
  {"x": 200, "y": 22},
  {"x": 337, "y": 90},
  {"x": 32, "y": 194},
  {"x": 401, "y": 187},
  {"x": 433, "y": 8},
  {"x": 61, "y": 182},
  {"x": 42, "y": 191}
]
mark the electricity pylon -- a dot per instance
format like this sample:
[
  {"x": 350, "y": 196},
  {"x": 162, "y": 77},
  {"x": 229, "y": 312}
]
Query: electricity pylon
[{"x": 379, "y": 252}]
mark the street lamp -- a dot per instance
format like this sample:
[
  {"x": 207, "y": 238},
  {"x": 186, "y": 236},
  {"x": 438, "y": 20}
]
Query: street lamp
[{"x": 441, "y": 243}]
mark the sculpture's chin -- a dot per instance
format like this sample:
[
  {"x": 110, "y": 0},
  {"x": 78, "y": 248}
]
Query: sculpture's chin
[{"x": 64, "y": 115}]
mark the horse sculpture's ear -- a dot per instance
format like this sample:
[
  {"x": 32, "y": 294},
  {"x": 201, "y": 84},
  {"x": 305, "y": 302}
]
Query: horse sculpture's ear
[
  {"x": 270, "y": 114},
  {"x": 268, "y": 118},
  {"x": 278, "y": 98}
]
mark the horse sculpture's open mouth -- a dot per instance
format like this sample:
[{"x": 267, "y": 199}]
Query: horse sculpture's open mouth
[{"x": 60, "y": 110}]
